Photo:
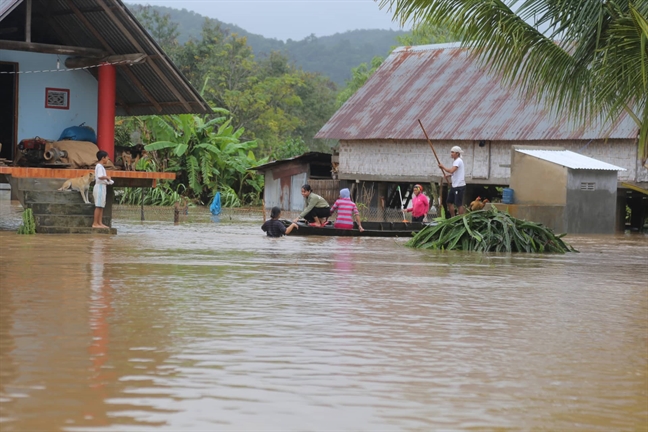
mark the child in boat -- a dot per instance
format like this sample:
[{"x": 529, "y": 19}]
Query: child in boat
[
  {"x": 317, "y": 208},
  {"x": 274, "y": 227},
  {"x": 346, "y": 211}
]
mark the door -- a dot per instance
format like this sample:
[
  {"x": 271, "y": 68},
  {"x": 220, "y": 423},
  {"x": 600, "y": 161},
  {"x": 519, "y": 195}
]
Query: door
[
  {"x": 481, "y": 160},
  {"x": 8, "y": 108},
  {"x": 296, "y": 198}
]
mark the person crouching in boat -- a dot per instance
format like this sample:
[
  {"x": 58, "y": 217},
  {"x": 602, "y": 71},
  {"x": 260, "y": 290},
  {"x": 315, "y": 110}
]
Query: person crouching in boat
[
  {"x": 274, "y": 227},
  {"x": 346, "y": 211},
  {"x": 317, "y": 210},
  {"x": 420, "y": 204}
]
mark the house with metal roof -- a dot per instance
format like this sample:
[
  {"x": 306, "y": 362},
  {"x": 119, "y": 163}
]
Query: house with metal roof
[
  {"x": 461, "y": 104},
  {"x": 566, "y": 191},
  {"x": 284, "y": 179},
  {"x": 66, "y": 63}
]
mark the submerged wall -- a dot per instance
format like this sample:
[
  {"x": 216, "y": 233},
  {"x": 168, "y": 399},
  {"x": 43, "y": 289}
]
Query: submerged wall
[{"x": 591, "y": 202}]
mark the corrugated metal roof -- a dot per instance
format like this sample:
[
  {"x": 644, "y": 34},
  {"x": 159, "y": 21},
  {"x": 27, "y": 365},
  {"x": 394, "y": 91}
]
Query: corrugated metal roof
[
  {"x": 6, "y": 6},
  {"x": 306, "y": 157},
  {"x": 455, "y": 100},
  {"x": 571, "y": 160},
  {"x": 139, "y": 87}
]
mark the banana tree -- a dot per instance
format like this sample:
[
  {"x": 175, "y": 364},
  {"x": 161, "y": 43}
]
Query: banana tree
[{"x": 206, "y": 154}]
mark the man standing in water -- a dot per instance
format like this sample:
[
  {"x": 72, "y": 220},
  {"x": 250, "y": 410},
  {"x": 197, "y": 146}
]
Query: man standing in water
[{"x": 455, "y": 196}]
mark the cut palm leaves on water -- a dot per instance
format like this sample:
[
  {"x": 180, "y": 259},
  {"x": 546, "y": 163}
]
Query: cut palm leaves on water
[{"x": 489, "y": 231}]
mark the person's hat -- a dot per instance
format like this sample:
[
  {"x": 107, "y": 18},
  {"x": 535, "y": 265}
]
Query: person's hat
[{"x": 456, "y": 149}]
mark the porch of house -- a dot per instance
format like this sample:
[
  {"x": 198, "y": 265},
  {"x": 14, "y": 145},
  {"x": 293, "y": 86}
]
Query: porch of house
[{"x": 65, "y": 212}]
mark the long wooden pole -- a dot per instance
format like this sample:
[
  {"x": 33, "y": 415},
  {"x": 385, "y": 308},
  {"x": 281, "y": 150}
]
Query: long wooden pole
[{"x": 443, "y": 174}]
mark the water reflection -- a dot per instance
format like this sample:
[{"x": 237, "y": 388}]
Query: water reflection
[{"x": 215, "y": 326}]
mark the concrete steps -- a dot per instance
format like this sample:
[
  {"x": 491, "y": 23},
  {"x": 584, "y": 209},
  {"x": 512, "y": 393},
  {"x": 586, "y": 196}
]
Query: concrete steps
[
  {"x": 66, "y": 220},
  {"x": 73, "y": 230},
  {"x": 56, "y": 197},
  {"x": 62, "y": 212}
]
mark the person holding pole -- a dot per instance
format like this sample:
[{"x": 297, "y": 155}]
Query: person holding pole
[{"x": 456, "y": 193}]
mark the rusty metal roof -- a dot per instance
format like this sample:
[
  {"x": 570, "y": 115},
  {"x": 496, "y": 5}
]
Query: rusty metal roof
[
  {"x": 155, "y": 86},
  {"x": 455, "y": 100},
  {"x": 305, "y": 157}
]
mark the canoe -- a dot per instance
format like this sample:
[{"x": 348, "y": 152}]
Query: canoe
[{"x": 371, "y": 229}]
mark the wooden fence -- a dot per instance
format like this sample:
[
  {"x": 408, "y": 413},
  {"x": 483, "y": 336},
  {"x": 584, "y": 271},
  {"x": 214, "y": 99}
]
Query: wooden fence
[{"x": 327, "y": 189}]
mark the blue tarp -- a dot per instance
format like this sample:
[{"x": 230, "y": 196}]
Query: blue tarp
[
  {"x": 215, "y": 207},
  {"x": 79, "y": 133}
]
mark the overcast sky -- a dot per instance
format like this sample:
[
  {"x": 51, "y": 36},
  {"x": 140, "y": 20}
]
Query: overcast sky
[{"x": 289, "y": 19}]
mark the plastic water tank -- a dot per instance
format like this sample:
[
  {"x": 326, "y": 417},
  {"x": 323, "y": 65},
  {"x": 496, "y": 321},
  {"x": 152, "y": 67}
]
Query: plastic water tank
[{"x": 507, "y": 196}]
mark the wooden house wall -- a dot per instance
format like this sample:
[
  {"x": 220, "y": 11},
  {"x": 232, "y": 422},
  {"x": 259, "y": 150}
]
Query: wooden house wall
[{"x": 413, "y": 160}]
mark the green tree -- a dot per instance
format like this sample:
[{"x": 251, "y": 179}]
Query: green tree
[
  {"x": 318, "y": 96},
  {"x": 260, "y": 95},
  {"x": 359, "y": 76},
  {"x": 422, "y": 34},
  {"x": 597, "y": 70},
  {"x": 291, "y": 148},
  {"x": 425, "y": 34},
  {"x": 206, "y": 154},
  {"x": 160, "y": 27}
]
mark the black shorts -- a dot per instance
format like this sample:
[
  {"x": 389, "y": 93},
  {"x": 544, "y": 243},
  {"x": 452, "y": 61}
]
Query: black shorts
[
  {"x": 418, "y": 218},
  {"x": 320, "y": 212},
  {"x": 455, "y": 196}
]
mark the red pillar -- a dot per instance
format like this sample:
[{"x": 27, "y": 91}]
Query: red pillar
[{"x": 106, "y": 110}]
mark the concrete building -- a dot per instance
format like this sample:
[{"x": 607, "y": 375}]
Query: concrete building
[
  {"x": 68, "y": 62},
  {"x": 563, "y": 190},
  {"x": 63, "y": 63},
  {"x": 459, "y": 103}
]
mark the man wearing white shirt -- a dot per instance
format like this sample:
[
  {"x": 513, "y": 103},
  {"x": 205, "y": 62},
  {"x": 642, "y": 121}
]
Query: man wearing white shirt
[{"x": 456, "y": 193}]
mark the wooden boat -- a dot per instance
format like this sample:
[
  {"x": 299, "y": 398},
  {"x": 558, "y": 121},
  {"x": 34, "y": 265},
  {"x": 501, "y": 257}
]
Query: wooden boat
[{"x": 371, "y": 229}]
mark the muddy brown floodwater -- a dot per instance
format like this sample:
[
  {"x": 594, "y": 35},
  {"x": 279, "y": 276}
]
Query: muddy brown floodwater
[{"x": 212, "y": 326}]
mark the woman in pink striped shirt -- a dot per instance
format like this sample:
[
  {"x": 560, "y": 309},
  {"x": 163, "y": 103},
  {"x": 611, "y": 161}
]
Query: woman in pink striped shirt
[{"x": 346, "y": 210}]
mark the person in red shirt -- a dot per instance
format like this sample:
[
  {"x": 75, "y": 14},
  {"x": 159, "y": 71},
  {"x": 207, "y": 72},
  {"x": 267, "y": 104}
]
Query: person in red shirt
[{"x": 420, "y": 204}]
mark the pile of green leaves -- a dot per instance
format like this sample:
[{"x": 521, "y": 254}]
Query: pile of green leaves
[
  {"x": 29, "y": 224},
  {"x": 489, "y": 231}
]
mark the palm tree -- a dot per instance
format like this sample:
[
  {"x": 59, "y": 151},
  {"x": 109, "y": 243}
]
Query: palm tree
[{"x": 587, "y": 59}]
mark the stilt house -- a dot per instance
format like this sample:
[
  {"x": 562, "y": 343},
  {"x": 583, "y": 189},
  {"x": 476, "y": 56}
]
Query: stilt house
[{"x": 459, "y": 103}]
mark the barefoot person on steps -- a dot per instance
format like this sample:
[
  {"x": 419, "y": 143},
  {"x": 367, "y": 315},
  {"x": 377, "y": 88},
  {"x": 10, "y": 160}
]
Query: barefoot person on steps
[{"x": 100, "y": 190}]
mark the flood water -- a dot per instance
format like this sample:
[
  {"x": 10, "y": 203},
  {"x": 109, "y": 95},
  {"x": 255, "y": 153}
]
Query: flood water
[{"x": 212, "y": 326}]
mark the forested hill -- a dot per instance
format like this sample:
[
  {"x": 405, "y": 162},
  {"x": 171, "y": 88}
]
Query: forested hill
[{"x": 333, "y": 56}]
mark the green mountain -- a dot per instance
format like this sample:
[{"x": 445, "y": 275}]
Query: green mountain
[{"x": 333, "y": 56}]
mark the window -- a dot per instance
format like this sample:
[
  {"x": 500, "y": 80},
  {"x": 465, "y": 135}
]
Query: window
[
  {"x": 57, "y": 98},
  {"x": 588, "y": 186}
]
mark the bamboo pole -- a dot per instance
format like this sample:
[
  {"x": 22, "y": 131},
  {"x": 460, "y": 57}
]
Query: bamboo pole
[{"x": 443, "y": 174}]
